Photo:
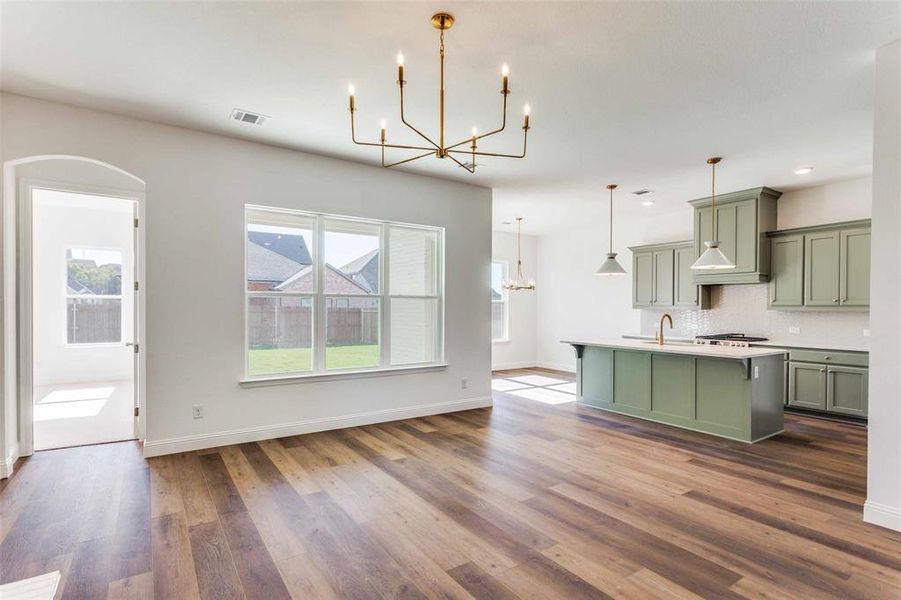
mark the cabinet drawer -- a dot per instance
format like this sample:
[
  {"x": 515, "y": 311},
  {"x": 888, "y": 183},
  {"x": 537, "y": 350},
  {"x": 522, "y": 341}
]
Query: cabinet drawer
[{"x": 854, "y": 359}]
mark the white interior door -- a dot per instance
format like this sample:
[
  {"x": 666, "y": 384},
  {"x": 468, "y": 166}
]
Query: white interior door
[{"x": 83, "y": 317}]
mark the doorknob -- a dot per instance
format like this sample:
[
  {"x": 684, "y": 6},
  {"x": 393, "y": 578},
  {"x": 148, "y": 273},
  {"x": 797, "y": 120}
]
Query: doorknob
[{"x": 129, "y": 344}]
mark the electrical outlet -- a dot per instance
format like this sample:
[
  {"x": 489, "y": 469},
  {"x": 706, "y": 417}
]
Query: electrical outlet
[
  {"x": 866, "y": 333},
  {"x": 464, "y": 384},
  {"x": 794, "y": 330},
  {"x": 197, "y": 411},
  {"x": 756, "y": 371}
]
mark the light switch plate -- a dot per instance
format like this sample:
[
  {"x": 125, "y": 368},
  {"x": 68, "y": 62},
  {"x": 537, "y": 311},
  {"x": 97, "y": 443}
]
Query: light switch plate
[
  {"x": 866, "y": 333},
  {"x": 794, "y": 330}
]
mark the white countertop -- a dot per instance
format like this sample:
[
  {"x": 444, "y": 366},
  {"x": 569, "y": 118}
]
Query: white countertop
[
  {"x": 768, "y": 344},
  {"x": 675, "y": 347}
]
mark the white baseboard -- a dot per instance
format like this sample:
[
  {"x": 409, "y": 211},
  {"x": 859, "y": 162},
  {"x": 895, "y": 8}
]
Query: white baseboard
[
  {"x": 514, "y": 365},
  {"x": 568, "y": 368},
  {"x": 9, "y": 463},
  {"x": 268, "y": 432},
  {"x": 882, "y": 515}
]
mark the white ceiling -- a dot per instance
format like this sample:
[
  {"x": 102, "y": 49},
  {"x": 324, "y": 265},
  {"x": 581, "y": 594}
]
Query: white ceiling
[{"x": 633, "y": 93}]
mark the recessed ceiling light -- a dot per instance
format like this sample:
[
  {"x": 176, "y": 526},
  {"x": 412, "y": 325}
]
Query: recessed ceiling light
[
  {"x": 803, "y": 170},
  {"x": 648, "y": 203}
]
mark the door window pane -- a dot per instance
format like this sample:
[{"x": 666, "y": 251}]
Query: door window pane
[
  {"x": 93, "y": 320},
  {"x": 351, "y": 258},
  {"x": 279, "y": 252},
  {"x": 279, "y": 335},
  {"x": 352, "y": 332},
  {"x": 413, "y": 260},
  {"x": 93, "y": 272},
  {"x": 414, "y": 330}
]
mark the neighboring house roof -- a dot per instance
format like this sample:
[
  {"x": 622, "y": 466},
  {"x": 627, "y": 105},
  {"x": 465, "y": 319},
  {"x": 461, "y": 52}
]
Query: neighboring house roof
[
  {"x": 264, "y": 264},
  {"x": 364, "y": 271},
  {"x": 292, "y": 247},
  {"x": 336, "y": 282}
]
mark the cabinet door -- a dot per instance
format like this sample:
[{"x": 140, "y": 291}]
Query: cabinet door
[
  {"x": 787, "y": 271},
  {"x": 663, "y": 278},
  {"x": 854, "y": 270},
  {"x": 746, "y": 236},
  {"x": 687, "y": 294},
  {"x": 642, "y": 279},
  {"x": 807, "y": 385},
  {"x": 846, "y": 391},
  {"x": 821, "y": 262}
]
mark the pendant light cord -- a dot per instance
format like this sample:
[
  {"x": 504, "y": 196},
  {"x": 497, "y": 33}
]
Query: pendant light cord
[
  {"x": 611, "y": 221},
  {"x": 713, "y": 199}
]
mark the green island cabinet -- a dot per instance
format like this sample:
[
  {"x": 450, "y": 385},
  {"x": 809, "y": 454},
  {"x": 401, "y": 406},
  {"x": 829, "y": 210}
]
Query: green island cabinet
[
  {"x": 735, "y": 398},
  {"x": 743, "y": 220},
  {"x": 827, "y": 381},
  {"x": 821, "y": 268},
  {"x": 662, "y": 277}
]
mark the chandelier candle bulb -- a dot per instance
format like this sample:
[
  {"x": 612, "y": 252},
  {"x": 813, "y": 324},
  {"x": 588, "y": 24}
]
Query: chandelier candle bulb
[
  {"x": 526, "y": 111},
  {"x": 384, "y": 125},
  {"x": 400, "y": 68},
  {"x": 350, "y": 91},
  {"x": 505, "y": 74}
]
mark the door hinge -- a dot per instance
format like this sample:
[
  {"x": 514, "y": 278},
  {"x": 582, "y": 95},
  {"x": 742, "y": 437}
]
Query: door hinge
[
  {"x": 136, "y": 286},
  {"x": 136, "y": 222},
  {"x": 137, "y": 346},
  {"x": 137, "y": 411}
]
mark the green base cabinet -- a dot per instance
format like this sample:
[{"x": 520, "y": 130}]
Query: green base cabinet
[
  {"x": 720, "y": 396},
  {"x": 821, "y": 268},
  {"x": 825, "y": 381}
]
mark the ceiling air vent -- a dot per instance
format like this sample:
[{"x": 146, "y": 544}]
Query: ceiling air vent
[
  {"x": 248, "y": 117},
  {"x": 642, "y": 192}
]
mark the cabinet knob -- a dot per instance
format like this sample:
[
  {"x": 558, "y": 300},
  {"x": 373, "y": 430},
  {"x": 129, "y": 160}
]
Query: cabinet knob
[
  {"x": 844, "y": 299},
  {"x": 827, "y": 357},
  {"x": 823, "y": 370},
  {"x": 835, "y": 299}
]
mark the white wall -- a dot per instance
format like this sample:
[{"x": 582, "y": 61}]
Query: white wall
[
  {"x": 59, "y": 225},
  {"x": 197, "y": 186},
  {"x": 840, "y": 201},
  {"x": 574, "y": 303},
  {"x": 883, "y": 504},
  {"x": 520, "y": 350}
]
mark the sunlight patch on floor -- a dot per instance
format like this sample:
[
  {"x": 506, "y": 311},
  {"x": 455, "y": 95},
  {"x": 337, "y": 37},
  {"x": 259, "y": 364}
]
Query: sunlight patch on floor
[
  {"x": 544, "y": 396},
  {"x": 537, "y": 380}
]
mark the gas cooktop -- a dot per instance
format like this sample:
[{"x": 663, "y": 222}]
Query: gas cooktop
[{"x": 739, "y": 340}]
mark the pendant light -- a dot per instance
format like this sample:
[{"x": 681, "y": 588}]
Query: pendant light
[
  {"x": 713, "y": 258},
  {"x": 520, "y": 283},
  {"x": 611, "y": 266}
]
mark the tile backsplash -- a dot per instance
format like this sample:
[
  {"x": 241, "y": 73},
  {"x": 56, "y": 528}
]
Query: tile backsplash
[{"x": 742, "y": 309}]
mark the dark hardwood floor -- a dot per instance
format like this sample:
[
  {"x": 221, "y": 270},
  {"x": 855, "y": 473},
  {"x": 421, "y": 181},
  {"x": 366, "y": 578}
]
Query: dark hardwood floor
[{"x": 525, "y": 500}]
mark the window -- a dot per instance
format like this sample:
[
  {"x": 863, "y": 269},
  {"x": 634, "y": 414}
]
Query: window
[
  {"x": 500, "y": 313},
  {"x": 332, "y": 294},
  {"x": 93, "y": 296}
]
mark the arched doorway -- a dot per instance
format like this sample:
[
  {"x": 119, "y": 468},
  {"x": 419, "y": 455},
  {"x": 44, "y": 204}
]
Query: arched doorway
[{"x": 78, "y": 308}]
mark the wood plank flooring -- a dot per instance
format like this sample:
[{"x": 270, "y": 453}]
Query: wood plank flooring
[{"x": 525, "y": 500}]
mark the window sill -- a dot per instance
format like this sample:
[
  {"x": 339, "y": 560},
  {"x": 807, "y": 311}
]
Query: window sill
[
  {"x": 506, "y": 341},
  {"x": 340, "y": 375}
]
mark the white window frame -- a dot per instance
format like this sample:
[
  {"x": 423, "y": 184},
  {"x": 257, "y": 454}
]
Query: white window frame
[
  {"x": 505, "y": 301},
  {"x": 66, "y": 296},
  {"x": 319, "y": 295}
]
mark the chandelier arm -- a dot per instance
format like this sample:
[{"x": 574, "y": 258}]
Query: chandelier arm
[
  {"x": 490, "y": 133},
  {"x": 411, "y": 159},
  {"x": 525, "y": 139},
  {"x": 471, "y": 170},
  {"x": 353, "y": 137},
  {"x": 404, "y": 120}
]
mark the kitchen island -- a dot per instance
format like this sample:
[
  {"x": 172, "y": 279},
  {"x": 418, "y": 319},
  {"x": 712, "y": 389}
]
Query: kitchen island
[{"x": 735, "y": 393}]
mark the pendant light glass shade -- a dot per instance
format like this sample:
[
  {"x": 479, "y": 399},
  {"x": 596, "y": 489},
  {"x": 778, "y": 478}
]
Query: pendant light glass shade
[
  {"x": 611, "y": 266},
  {"x": 712, "y": 258}
]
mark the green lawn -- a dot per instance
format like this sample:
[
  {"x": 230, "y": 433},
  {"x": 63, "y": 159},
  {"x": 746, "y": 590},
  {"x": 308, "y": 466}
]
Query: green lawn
[{"x": 287, "y": 360}]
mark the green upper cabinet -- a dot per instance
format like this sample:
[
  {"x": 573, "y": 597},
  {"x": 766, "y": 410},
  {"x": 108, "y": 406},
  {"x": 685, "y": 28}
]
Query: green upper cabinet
[
  {"x": 662, "y": 277},
  {"x": 787, "y": 271},
  {"x": 743, "y": 219},
  {"x": 854, "y": 270},
  {"x": 822, "y": 267},
  {"x": 642, "y": 279}
]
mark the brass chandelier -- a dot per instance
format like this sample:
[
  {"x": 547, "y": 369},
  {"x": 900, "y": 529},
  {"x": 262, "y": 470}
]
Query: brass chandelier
[
  {"x": 439, "y": 149},
  {"x": 520, "y": 283}
]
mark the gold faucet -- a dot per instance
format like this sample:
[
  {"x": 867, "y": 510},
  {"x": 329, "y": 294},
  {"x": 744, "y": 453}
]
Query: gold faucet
[{"x": 660, "y": 332}]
